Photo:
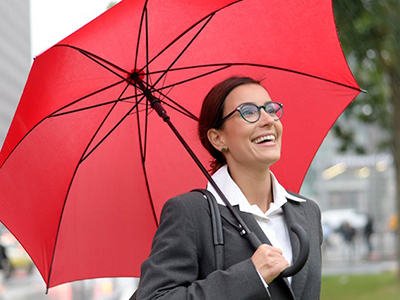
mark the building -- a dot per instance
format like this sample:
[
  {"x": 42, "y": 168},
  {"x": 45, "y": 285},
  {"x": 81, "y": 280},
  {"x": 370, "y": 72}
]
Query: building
[
  {"x": 15, "y": 57},
  {"x": 362, "y": 183}
]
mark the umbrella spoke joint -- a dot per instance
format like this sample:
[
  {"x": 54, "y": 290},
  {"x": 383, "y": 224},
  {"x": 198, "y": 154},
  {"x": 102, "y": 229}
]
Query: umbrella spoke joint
[{"x": 155, "y": 103}]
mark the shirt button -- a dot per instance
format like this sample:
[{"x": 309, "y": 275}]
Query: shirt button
[{"x": 266, "y": 220}]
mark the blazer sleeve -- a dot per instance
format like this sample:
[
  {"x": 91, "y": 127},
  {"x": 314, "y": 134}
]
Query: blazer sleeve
[{"x": 171, "y": 271}]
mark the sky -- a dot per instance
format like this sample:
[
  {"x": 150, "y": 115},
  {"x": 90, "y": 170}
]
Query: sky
[{"x": 53, "y": 20}]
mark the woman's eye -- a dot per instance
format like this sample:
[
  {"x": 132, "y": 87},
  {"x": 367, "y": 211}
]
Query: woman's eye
[
  {"x": 271, "y": 109},
  {"x": 248, "y": 111}
]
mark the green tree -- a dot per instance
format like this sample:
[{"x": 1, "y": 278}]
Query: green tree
[{"x": 369, "y": 31}]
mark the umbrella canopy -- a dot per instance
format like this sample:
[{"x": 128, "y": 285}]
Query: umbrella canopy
[{"x": 87, "y": 164}]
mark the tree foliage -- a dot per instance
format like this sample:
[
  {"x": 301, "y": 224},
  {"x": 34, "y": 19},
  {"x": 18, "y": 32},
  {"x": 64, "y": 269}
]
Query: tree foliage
[
  {"x": 370, "y": 34},
  {"x": 369, "y": 31}
]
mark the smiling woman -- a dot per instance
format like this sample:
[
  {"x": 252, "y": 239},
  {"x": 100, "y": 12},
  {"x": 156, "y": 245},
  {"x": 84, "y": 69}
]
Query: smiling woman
[
  {"x": 240, "y": 126},
  {"x": 215, "y": 102},
  {"x": 249, "y": 148}
]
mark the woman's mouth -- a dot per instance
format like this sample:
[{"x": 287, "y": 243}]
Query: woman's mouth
[{"x": 264, "y": 139}]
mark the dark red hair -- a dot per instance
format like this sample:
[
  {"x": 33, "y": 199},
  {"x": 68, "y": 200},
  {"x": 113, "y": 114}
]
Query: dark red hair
[{"x": 212, "y": 113}]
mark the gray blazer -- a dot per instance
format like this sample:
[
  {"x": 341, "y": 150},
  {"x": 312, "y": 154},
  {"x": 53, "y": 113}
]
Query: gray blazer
[{"x": 181, "y": 263}]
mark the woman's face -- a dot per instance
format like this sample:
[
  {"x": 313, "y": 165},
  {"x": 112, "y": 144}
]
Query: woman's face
[{"x": 256, "y": 145}]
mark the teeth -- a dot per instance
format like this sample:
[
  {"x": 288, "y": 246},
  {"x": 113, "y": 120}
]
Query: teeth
[{"x": 269, "y": 138}]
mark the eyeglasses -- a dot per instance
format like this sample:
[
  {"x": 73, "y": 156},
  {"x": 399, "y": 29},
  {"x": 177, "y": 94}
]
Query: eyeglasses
[{"x": 251, "y": 112}]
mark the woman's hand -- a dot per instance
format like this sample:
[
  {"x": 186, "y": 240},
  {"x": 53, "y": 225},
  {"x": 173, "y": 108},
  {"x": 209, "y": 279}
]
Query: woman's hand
[{"x": 269, "y": 262}]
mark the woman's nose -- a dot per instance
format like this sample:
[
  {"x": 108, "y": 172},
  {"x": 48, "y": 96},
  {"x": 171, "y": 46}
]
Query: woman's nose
[{"x": 265, "y": 118}]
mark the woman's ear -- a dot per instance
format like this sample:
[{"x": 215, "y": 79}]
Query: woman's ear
[{"x": 216, "y": 139}]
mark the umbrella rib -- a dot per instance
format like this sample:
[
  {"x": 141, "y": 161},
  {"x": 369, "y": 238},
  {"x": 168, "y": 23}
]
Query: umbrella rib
[
  {"x": 177, "y": 58},
  {"x": 144, "y": 12},
  {"x": 226, "y": 65},
  {"x": 181, "y": 108},
  {"x": 101, "y": 62},
  {"x": 55, "y": 113},
  {"x": 23, "y": 138},
  {"x": 76, "y": 170},
  {"x": 189, "y": 29},
  {"x": 101, "y": 125},
  {"x": 93, "y": 106},
  {"x": 51, "y": 115},
  {"x": 111, "y": 130},
  {"x": 223, "y": 67},
  {"x": 143, "y": 146},
  {"x": 185, "y": 48},
  {"x": 59, "y": 226},
  {"x": 177, "y": 106},
  {"x": 147, "y": 109},
  {"x": 183, "y": 111},
  {"x": 84, "y": 97},
  {"x": 147, "y": 43},
  {"x": 143, "y": 141},
  {"x": 94, "y": 56}
]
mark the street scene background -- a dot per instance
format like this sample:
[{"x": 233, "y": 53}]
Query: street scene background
[{"x": 352, "y": 178}]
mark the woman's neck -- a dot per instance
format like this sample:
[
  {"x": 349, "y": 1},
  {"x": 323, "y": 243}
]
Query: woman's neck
[{"x": 255, "y": 185}]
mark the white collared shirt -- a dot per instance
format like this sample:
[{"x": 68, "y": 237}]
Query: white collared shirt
[{"x": 272, "y": 222}]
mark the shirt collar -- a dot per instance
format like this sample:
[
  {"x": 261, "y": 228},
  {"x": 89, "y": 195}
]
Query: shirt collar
[{"x": 235, "y": 196}]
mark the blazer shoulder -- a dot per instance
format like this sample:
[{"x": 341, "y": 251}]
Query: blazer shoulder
[
  {"x": 190, "y": 202},
  {"x": 309, "y": 202},
  {"x": 193, "y": 198},
  {"x": 298, "y": 195}
]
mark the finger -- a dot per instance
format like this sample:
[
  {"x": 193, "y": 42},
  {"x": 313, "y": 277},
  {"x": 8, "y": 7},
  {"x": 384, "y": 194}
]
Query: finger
[{"x": 269, "y": 249}]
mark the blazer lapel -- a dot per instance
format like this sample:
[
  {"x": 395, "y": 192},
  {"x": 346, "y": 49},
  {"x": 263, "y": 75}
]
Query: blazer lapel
[{"x": 294, "y": 214}]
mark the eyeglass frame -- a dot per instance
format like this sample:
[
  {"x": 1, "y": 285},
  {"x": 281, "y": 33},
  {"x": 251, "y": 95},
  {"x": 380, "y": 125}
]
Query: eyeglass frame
[{"x": 258, "y": 109}]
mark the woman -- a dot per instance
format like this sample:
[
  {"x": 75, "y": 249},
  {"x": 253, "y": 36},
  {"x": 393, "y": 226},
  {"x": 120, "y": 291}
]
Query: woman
[{"x": 240, "y": 126}]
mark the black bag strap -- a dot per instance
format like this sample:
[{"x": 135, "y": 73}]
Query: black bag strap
[{"x": 217, "y": 232}]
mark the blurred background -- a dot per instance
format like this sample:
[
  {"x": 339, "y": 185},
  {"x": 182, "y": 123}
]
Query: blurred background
[{"x": 352, "y": 178}]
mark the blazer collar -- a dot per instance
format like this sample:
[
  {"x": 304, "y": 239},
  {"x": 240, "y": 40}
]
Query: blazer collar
[{"x": 236, "y": 197}]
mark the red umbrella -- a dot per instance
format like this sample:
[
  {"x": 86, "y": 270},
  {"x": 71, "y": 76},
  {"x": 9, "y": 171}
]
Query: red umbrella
[{"x": 87, "y": 164}]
